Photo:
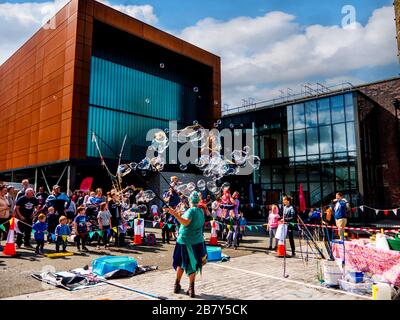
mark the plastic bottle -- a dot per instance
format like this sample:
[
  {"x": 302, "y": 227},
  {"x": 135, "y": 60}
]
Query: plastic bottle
[{"x": 381, "y": 291}]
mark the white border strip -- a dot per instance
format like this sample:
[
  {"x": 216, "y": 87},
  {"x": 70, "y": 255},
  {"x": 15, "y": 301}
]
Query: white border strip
[{"x": 293, "y": 281}]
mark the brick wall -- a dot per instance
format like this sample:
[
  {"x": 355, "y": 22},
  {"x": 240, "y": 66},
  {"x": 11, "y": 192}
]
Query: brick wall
[{"x": 383, "y": 93}]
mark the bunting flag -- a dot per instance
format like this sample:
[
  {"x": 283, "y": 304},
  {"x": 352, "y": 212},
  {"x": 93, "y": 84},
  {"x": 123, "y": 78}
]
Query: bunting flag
[
  {"x": 115, "y": 229},
  {"x": 64, "y": 238},
  {"x": 362, "y": 208},
  {"x": 395, "y": 211},
  {"x": 376, "y": 211},
  {"x": 91, "y": 233},
  {"x": 170, "y": 225},
  {"x": 161, "y": 224},
  {"x": 206, "y": 223},
  {"x": 131, "y": 223},
  {"x": 386, "y": 212},
  {"x": 3, "y": 228},
  {"x": 154, "y": 224},
  {"x": 249, "y": 228},
  {"x": 53, "y": 236},
  {"x": 100, "y": 232},
  {"x": 16, "y": 226}
]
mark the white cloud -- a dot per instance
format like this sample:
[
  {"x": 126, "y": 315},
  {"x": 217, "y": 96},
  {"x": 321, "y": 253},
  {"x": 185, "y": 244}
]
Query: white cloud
[
  {"x": 19, "y": 21},
  {"x": 260, "y": 55}
]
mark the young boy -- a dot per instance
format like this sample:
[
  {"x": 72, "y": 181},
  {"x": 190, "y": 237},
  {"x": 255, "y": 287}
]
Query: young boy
[
  {"x": 62, "y": 232},
  {"x": 164, "y": 219},
  {"x": 104, "y": 219},
  {"x": 40, "y": 228},
  {"x": 81, "y": 225},
  {"x": 52, "y": 221}
]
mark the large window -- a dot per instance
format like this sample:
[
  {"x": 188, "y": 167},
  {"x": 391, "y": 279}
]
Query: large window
[{"x": 316, "y": 144}]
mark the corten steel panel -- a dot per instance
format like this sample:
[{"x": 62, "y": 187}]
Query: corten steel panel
[
  {"x": 35, "y": 88},
  {"x": 44, "y": 86}
]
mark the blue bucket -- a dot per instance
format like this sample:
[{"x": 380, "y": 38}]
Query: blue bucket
[
  {"x": 214, "y": 253},
  {"x": 106, "y": 264},
  {"x": 356, "y": 277}
]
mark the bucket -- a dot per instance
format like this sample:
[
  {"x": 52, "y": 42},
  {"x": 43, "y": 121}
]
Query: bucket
[
  {"x": 355, "y": 276},
  {"x": 332, "y": 273},
  {"x": 214, "y": 253}
]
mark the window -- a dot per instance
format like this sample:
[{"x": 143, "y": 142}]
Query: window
[
  {"x": 351, "y": 139},
  {"x": 339, "y": 137},
  {"x": 291, "y": 143},
  {"x": 298, "y": 116},
  {"x": 300, "y": 142},
  {"x": 311, "y": 113},
  {"x": 324, "y": 113},
  {"x": 337, "y": 105},
  {"x": 349, "y": 106},
  {"x": 325, "y": 138},
  {"x": 312, "y": 141},
  {"x": 289, "y": 117}
]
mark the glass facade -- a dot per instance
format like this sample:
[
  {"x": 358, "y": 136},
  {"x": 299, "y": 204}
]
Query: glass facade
[
  {"x": 136, "y": 86},
  {"x": 310, "y": 143}
]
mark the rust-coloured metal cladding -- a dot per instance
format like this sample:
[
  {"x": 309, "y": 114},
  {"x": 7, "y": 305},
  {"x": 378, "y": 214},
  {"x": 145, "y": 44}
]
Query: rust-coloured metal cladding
[{"x": 44, "y": 85}]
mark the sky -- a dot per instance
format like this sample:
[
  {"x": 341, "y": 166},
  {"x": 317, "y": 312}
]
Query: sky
[{"x": 265, "y": 45}]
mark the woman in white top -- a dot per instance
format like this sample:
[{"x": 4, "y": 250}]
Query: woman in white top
[{"x": 4, "y": 209}]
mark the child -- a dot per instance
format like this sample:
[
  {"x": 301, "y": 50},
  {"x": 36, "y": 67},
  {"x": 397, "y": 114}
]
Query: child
[
  {"x": 104, "y": 219},
  {"x": 40, "y": 227},
  {"x": 165, "y": 230},
  {"x": 62, "y": 232},
  {"x": 273, "y": 222},
  {"x": 52, "y": 221},
  {"x": 123, "y": 226},
  {"x": 242, "y": 223},
  {"x": 81, "y": 225}
]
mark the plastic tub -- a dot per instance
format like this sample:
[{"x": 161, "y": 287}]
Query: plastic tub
[
  {"x": 332, "y": 273},
  {"x": 364, "y": 288},
  {"x": 355, "y": 276},
  {"x": 214, "y": 253}
]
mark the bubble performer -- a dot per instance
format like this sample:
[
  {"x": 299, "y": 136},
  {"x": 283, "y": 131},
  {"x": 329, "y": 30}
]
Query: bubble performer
[{"x": 190, "y": 250}]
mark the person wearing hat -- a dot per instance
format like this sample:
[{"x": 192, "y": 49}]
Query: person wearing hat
[{"x": 190, "y": 250}]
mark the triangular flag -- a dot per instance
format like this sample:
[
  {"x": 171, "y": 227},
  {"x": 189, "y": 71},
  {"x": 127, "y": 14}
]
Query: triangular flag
[
  {"x": 99, "y": 232},
  {"x": 206, "y": 223},
  {"x": 154, "y": 224},
  {"x": 64, "y": 238},
  {"x": 115, "y": 229},
  {"x": 386, "y": 212},
  {"x": 376, "y": 211},
  {"x": 354, "y": 209},
  {"x": 250, "y": 228},
  {"x": 395, "y": 211},
  {"x": 53, "y": 236},
  {"x": 362, "y": 208},
  {"x": 170, "y": 225},
  {"x": 16, "y": 226},
  {"x": 91, "y": 233},
  {"x": 131, "y": 223},
  {"x": 2, "y": 227},
  {"x": 161, "y": 224},
  {"x": 33, "y": 231}
]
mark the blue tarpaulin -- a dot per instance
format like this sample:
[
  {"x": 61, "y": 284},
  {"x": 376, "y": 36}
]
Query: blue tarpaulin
[{"x": 108, "y": 264}]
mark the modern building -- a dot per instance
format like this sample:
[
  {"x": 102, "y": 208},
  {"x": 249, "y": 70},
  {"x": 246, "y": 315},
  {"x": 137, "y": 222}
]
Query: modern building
[
  {"x": 333, "y": 139},
  {"x": 92, "y": 68}
]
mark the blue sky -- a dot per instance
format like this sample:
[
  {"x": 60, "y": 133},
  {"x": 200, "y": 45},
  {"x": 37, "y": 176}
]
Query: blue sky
[{"x": 266, "y": 44}]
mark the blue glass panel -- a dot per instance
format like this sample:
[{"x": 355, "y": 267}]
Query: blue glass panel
[
  {"x": 349, "y": 106},
  {"x": 291, "y": 143},
  {"x": 312, "y": 141},
  {"x": 311, "y": 113},
  {"x": 351, "y": 137},
  {"x": 324, "y": 113},
  {"x": 339, "y": 137},
  {"x": 325, "y": 138},
  {"x": 298, "y": 116},
  {"x": 300, "y": 142},
  {"x": 289, "y": 117},
  {"x": 337, "y": 106}
]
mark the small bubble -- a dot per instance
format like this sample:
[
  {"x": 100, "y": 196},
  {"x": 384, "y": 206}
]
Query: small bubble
[
  {"x": 147, "y": 100},
  {"x": 241, "y": 125},
  {"x": 232, "y": 125},
  {"x": 219, "y": 121},
  {"x": 162, "y": 65},
  {"x": 166, "y": 130},
  {"x": 215, "y": 125},
  {"x": 183, "y": 167},
  {"x": 195, "y": 89},
  {"x": 195, "y": 122}
]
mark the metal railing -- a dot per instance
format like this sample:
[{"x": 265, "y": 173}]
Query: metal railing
[{"x": 309, "y": 92}]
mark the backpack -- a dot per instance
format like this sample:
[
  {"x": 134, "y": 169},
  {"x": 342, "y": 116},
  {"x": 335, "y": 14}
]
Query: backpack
[{"x": 151, "y": 239}]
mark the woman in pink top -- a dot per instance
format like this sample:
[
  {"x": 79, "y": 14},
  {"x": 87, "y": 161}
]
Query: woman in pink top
[{"x": 273, "y": 221}]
